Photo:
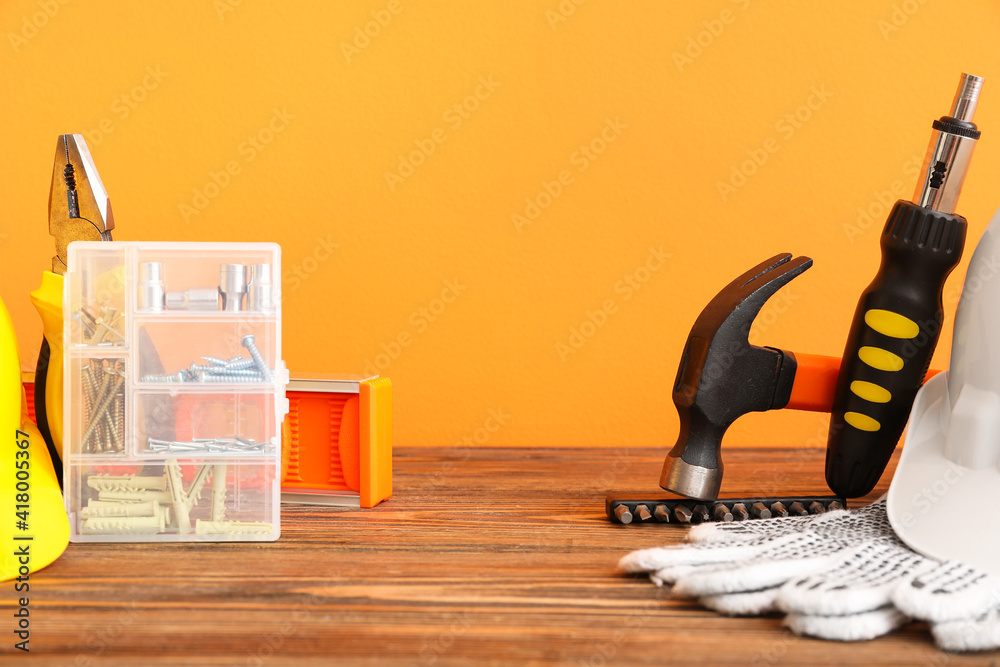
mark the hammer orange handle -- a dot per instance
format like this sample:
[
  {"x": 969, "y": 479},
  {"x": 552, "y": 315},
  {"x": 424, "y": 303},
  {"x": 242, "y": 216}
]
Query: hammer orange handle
[{"x": 816, "y": 382}]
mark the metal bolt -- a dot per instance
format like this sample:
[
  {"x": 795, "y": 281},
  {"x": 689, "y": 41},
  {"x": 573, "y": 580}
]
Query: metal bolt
[{"x": 258, "y": 358}]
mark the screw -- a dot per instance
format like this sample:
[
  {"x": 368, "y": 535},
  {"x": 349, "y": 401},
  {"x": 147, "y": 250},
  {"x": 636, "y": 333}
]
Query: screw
[
  {"x": 236, "y": 379},
  {"x": 103, "y": 407},
  {"x": 109, "y": 432},
  {"x": 95, "y": 419},
  {"x": 81, "y": 317},
  {"x": 237, "y": 372},
  {"x": 154, "y": 445},
  {"x": 258, "y": 358},
  {"x": 120, "y": 421},
  {"x": 159, "y": 378},
  {"x": 92, "y": 394},
  {"x": 88, "y": 396}
]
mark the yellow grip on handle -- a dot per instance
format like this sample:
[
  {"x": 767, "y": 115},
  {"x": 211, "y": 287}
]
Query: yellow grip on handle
[
  {"x": 29, "y": 490},
  {"x": 48, "y": 300}
]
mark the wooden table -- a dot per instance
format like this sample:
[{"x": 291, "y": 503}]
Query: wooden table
[{"x": 488, "y": 556}]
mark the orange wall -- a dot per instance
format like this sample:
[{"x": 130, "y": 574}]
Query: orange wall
[{"x": 459, "y": 193}]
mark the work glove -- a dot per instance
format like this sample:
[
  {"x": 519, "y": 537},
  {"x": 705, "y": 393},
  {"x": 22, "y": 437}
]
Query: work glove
[{"x": 843, "y": 575}]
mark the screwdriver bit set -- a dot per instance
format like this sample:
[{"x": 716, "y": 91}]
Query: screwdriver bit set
[
  {"x": 629, "y": 509},
  {"x": 173, "y": 431}
]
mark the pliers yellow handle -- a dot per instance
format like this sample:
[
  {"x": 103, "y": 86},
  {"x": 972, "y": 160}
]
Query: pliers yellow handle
[
  {"x": 79, "y": 210},
  {"x": 39, "y": 530}
]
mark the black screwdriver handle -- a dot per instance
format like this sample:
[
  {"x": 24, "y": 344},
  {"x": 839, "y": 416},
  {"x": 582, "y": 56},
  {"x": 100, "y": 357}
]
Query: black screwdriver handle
[{"x": 892, "y": 339}]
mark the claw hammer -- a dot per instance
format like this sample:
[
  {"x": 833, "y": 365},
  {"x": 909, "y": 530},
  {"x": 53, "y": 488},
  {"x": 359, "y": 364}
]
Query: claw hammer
[{"x": 722, "y": 377}]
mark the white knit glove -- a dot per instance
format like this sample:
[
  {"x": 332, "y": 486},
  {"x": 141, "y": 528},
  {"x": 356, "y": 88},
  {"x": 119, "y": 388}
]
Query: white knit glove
[{"x": 840, "y": 575}]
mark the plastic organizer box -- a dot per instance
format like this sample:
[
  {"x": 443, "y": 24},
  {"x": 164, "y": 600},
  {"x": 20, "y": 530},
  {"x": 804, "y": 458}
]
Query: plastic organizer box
[{"x": 174, "y": 391}]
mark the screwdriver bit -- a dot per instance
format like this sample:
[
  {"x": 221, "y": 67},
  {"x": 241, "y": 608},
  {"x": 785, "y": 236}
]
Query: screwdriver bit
[
  {"x": 700, "y": 514},
  {"x": 721, "y": 513},
  {"x": 798, "y": 508},
  {"x": 623, "y": 515}
]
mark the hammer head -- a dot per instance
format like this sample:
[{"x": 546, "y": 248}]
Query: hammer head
[{"x": 722, "y": 376}]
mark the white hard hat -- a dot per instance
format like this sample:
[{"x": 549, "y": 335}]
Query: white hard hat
[{"x": 942, "y": 499}]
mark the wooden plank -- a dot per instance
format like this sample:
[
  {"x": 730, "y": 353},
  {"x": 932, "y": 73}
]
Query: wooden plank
[{"x": 484, "y": 556}]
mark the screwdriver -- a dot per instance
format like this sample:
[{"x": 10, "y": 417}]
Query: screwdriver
[{"x": 898, "y": 318}]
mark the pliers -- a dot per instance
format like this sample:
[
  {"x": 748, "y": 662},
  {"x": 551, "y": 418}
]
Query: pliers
[
  {"x": 79, "y": 210},
  {"x": 79, "y": 207}
]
